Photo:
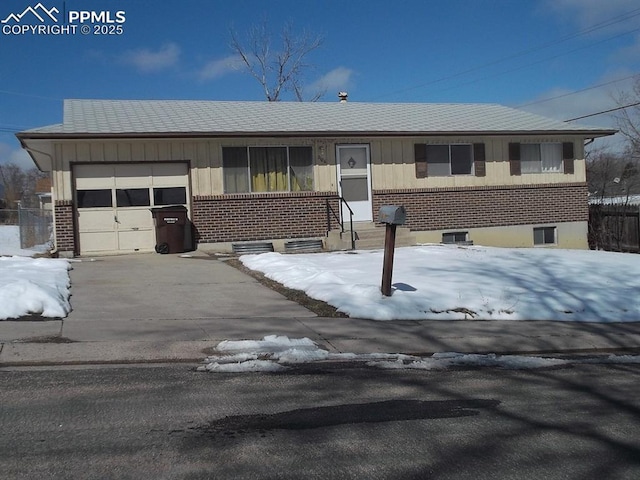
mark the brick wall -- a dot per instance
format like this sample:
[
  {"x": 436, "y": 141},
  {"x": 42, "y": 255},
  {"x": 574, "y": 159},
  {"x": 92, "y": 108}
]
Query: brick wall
[
  {"x": 65, "y": 239},
  {"x": 474, "y": 207},
  {"x": 241, "y": 217}
]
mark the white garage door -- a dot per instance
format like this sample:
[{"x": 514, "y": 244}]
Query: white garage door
[{"x": 114, "y": 200}]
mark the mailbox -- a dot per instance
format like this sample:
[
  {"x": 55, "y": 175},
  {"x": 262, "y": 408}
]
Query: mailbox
[{"x": 392, "y": 215}]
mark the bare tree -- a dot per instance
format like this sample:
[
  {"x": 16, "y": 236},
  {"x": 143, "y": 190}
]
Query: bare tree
[
  {"x": 610, "y": 174},
  {"x": 278, "y": 70},
  {"x": 613, "y": 180},
  {"x": 19, "y": 185},
  {"x": 628, "y": 119}
]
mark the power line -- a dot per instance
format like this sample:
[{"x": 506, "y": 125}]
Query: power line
[
  {"x": 607, "y": 23},
  {"x": 604, "y": 111},
  {"x": 18, "y": 94},
  {"x": 577, "y": 91},
  {"x": 543, "y": 60}
]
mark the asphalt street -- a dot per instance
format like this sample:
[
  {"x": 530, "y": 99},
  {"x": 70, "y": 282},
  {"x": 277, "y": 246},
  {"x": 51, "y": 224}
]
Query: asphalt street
[{"x": 320, "y": 421}]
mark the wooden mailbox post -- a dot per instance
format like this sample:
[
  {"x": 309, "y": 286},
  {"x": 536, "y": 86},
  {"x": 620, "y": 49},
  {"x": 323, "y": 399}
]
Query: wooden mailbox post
[{"x": 392, "y": 216}]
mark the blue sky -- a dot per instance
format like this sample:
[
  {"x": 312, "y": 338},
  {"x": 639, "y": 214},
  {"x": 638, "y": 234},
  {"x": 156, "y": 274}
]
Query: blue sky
[{"x": 512, "y": 52}]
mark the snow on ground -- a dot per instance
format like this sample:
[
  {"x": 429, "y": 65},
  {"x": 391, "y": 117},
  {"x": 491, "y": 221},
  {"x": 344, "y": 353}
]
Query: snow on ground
[
  {"x": 34, "y": 286},
  {"x": 451, "y": 282},
  {"x": 10, "y": 243},
  {"x": 273, "y": 353}
]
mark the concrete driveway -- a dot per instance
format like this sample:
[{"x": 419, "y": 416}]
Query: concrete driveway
[
  {"x": 149, "y": 296},
  {"x": 170, "y": 287}
]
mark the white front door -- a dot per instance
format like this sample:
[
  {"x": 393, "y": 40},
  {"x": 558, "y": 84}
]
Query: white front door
[{"x": 354, "y": 181}]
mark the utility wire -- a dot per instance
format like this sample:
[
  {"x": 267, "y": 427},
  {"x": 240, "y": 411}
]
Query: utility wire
[
  {"x": 597, "y": 26},
  {"x": 604, "y": 111},
  {"x": 18, "y": 94},
  {"x": 543, "y": 60},
  {"x": 577, "y": 91}
]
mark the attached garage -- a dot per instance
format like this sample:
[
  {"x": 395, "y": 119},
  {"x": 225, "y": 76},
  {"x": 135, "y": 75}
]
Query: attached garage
[
  {"x": 275, "y": 171},
  {"x": 113, "y": 203}
]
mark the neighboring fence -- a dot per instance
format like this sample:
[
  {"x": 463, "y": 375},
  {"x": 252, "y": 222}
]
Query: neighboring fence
[
  {"x": 614, "y": 227},
  {"x": 36, "y": 226}
]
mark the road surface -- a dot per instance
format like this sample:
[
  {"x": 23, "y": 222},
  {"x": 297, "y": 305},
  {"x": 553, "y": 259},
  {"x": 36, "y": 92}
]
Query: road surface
[{"x": 322, "y": 421}]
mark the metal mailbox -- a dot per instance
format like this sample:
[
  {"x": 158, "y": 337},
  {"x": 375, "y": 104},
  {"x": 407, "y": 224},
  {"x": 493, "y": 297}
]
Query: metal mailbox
[{"x": 392, "y": 214}]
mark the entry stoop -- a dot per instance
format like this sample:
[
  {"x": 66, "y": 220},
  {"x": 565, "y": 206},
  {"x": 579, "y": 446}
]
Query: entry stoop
[{"x": 368, "y": 237}]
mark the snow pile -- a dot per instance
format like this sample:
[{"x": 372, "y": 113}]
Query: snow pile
[
  {"x": 34, "y": 286},
  {"x": 273, "y": 353},
  {"x": 448, "y": 282},
  {"x": 440, "y": 361},
  {"x": 263, "y": 355}
]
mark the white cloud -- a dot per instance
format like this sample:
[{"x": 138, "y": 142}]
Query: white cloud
[
  {"x": 564, "y": 104},
  {"x": 217, "y": 68},
  {"x": 17, "y": 156},
  {"x": 587, "y": 13},
  {"x": 629, "y": 54},
  {"x": 146, "y": 60},
  {"x": 338, "y": 79}
]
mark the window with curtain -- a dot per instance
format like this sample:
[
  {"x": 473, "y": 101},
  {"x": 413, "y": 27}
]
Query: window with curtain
[
  {"x": 541, "y": 157},
  {"x": 267, "y": 169}
]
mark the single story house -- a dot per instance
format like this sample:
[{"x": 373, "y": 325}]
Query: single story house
[{"x": 261, "y": 171}]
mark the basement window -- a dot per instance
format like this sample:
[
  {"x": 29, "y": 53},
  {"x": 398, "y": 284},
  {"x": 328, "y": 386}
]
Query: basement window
[
  {"x": 545, "y": 236},
  {"x": 455, "y": 237}
]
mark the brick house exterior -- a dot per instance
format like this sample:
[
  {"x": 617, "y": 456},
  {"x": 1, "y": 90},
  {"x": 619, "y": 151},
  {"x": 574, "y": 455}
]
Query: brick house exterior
[{"x": 259, "y": 171}]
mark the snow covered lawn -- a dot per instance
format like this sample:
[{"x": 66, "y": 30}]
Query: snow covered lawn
[
  {"x": 34, "y": 286},
  {"x": 449, "y": 282}
]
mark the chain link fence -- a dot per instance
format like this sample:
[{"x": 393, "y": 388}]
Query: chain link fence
[{"x": 36, "y": 225}]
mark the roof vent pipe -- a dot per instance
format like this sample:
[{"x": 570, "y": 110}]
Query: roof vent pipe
[{"x": 343, "y": 97}]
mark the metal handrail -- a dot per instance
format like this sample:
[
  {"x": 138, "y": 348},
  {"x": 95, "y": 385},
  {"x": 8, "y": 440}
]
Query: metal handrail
[{"x": 340, "y": 221}]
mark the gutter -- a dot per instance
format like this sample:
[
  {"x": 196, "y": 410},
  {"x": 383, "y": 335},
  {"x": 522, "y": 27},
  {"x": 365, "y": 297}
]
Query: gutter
[
  {"x": 134, "y": 135},
  {"x": 54, "y": 250}
]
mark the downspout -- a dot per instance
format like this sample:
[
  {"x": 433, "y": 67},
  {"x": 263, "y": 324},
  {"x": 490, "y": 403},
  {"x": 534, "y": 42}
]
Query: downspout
[{"x": 54, "y": 250}]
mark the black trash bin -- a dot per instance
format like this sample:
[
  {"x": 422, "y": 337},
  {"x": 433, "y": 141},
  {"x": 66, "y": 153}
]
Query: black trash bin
[{"x": 173, "y": 229}]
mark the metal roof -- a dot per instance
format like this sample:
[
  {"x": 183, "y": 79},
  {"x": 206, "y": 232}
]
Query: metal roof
[{"x": 100, "y": 118}]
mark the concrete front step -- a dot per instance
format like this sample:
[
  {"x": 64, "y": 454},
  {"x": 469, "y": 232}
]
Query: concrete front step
[{"x": 368, "y": 238}]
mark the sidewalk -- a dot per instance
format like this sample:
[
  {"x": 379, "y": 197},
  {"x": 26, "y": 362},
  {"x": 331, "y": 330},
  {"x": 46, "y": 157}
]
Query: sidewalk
[
  {"x": 192, "y": 340},
  {"x": 152, "y": 308}
]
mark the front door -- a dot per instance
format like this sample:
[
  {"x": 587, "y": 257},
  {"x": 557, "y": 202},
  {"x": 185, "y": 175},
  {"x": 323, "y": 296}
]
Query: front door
[{"x": 354, "y": 181}]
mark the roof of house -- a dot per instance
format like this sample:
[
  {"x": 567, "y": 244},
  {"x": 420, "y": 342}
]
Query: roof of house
[{"x": 104, "y": 118}]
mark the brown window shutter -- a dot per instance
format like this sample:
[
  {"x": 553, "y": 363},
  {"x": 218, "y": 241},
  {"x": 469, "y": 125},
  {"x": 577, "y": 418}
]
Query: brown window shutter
[
  {"x": 479, "y": 160},
  {"x": 421, "y": 160},
  {"x": 567, "y": 157},
  {"x": 514, "y": 159}
]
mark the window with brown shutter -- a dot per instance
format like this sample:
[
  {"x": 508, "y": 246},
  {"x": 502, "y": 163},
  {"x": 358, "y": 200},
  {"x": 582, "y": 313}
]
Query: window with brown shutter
[
  {"x": 443, "y": 160},
  {"x": 420, "y": 150},
  {"x": 514, "y": 158},
  {"x": 568, "y": 157},
  {"x": 479, "y": 160}
]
